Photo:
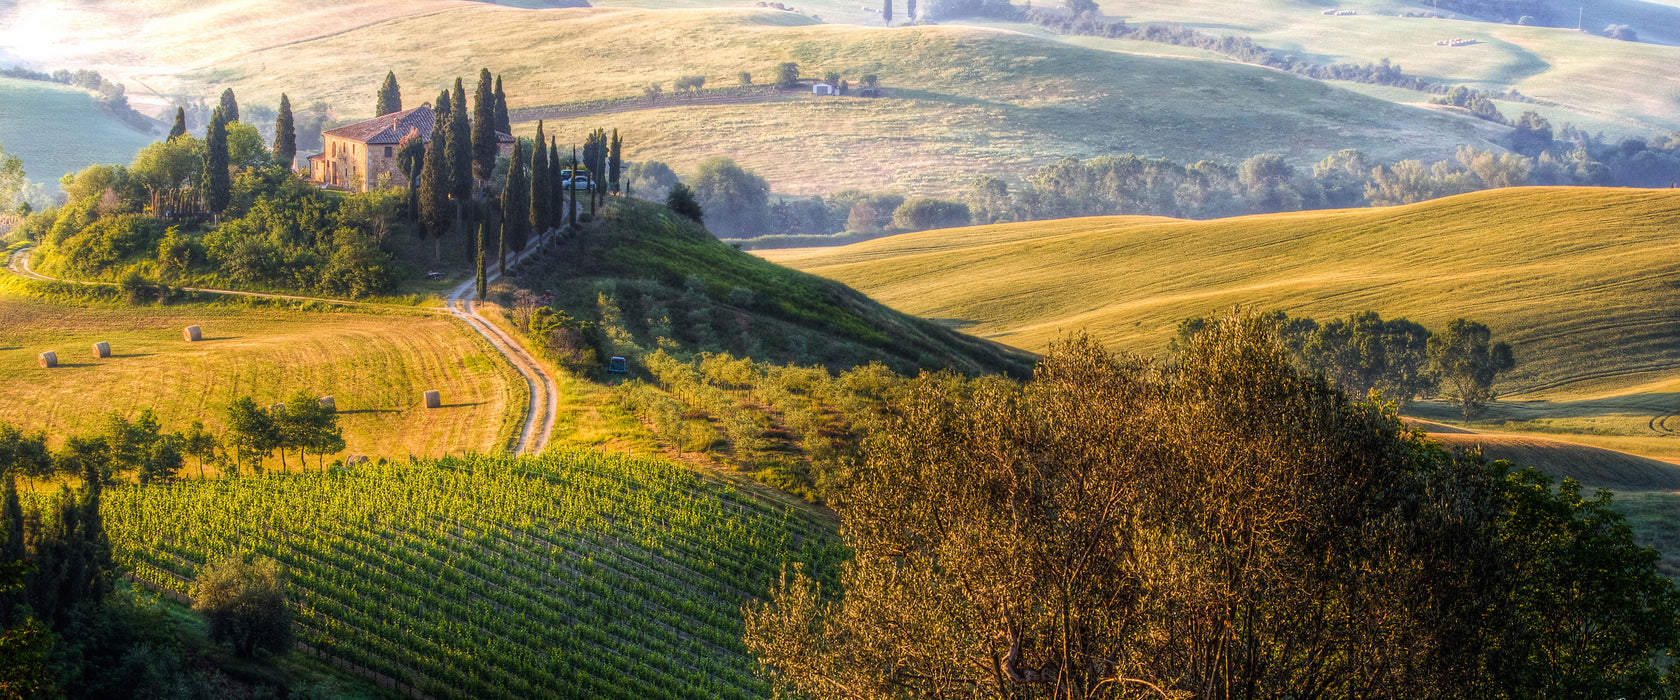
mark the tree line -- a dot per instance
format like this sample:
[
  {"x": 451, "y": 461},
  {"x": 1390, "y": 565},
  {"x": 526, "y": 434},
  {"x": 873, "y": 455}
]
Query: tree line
[
  {"x": 1221, "y": 526},
  {"x": 69, "y": 630}
]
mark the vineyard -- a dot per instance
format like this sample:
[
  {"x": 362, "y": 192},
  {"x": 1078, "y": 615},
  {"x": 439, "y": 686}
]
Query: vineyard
[{"x": 571, "y": 575}]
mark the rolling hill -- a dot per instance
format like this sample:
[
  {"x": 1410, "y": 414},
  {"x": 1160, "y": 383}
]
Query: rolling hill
[
  {"x": 35, "y": 118},
  {"x": 1582, "y": 282}
]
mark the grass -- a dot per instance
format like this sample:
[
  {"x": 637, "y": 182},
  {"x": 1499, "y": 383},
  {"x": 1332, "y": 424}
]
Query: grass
[
  {"x": 1582, "y": 282},
  {"x": 573, "y": 575},
  {"x": 964, "y": 100},
  {"x": 375, "y": 365},
  {"x": 57, "y": 130}
]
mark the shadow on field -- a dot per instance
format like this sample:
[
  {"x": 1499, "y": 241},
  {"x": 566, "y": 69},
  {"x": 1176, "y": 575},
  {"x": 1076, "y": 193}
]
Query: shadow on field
[
  {"x": 132, "y": 354},
  {"x": 462, "y": 405},
  {"x": 207, "y": 339},
  {"x": 72, "y": 365},
  {"x": 368, "y": 410},
  {"x": 955, "y": 324}
]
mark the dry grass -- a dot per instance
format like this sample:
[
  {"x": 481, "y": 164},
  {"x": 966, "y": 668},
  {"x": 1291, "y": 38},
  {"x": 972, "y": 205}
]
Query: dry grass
[{"x": 375, "y": 366}]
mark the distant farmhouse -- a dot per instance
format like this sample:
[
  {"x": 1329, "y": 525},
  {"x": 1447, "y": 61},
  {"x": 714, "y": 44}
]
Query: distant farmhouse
[{"x": 356, "y": 156}]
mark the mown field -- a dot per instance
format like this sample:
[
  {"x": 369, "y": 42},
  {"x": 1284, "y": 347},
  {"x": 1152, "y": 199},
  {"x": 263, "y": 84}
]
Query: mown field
[
  {"x": 963, "y": 100},
  {"x": 574, "y": 575},
  {"x": 375, "y": 365},
  {"x": 1582, "y": 282},
  {"x": 58, "y": 129}
]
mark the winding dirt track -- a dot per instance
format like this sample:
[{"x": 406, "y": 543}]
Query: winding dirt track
[{"x": 544, "y": 393}]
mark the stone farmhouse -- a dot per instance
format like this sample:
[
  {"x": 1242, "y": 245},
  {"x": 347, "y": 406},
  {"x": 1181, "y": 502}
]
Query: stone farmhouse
[{"x": 356, "y": 156}]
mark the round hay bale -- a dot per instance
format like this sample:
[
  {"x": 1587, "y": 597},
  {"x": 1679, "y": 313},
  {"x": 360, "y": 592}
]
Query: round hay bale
[
  {"x": 433, "y": 399},
  {"x": 327, "y": 403},
  {"x": 49, "y": 359},
  {"x": 192, "y": 334},
  {"x": 101, "y": 350}
]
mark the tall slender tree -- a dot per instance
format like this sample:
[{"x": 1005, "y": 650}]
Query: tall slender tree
[
  {"x": 441, "y": 108},
  {"x": 502, "y": 123},
  {"x": 180, "y": 128},
  {"x": 434, "y": 192},
  {"x": 285, "y": 134},
  {"x": 910, "y": 10},
  {"x": 539, "y": 196},
  {"x": 390, "y": 96},
  {"x": 886, "y": 11},
  {"x": 516, "y": 203},
  {"x": 230, "y": 107},
  {"x": 218, "y": 183},
  {"x": 484, "y": 128},
  {"x": 556, "y": 186},
  {"x": 458, "y": 153},
  {"x": 411, "y": 158},
  {"x": 615, "y": 161},
  {"x": 571, "y": 187},
  {"x": 483, "y": 282}
]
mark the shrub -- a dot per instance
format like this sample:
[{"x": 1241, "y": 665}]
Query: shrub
[
  {"x": 924, "y": 213},
  {"x": 245, "y": 605}
]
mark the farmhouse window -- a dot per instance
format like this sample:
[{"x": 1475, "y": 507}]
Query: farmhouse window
[{"x": 387, "y": 151}]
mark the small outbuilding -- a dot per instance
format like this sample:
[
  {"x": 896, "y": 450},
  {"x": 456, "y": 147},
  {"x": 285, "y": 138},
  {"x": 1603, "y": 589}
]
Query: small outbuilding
[{"x": 822, "y": 89}]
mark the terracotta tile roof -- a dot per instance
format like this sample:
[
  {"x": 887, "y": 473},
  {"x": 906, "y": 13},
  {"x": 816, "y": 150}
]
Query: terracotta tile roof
[
  {"x": 318, "y": 156},
  {"x": 391, "y": 128}
]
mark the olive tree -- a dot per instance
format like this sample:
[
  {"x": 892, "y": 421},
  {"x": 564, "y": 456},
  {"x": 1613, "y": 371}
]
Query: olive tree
[{"x": 244, "y": 604}]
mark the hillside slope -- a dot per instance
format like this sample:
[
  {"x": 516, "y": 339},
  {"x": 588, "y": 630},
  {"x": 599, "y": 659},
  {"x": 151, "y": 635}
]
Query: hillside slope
[
  {"x": 653, "y": 280},
  {"x": 962, "y": 100},
  {"x": 1583, "y": 282},
  {"x": 34, "y": 116},
  {"x": 574, "y": 575}
]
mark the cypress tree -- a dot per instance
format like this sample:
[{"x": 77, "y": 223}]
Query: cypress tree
[
  {"x": 411, "y": 156},
  {"x": 11, "y": 514},
  {"x": 484, "y": 128},
  {"x": 615, "y": 161},
  {"x": 434, "y": 192},
  {"x": 556, "y": 188},
  {"x": 180, "y": 128},
  {"x": 539, "y": 197},
  {"x": 502, "y": 123},
  {"x": 483, "y": 283},
  {"x": 230, "y": 107},
  {"x": 516, "y": 202},
  {"x": 458, "y": 153},
  {"x": 390, "y": 96},
  {"x": 886, "y": 11},
  {"x": 217, "y": 183},
  {"x": 572, "y": 189},
  {"x": 285, "y": 135},
  {"x": 441, "y": 108},
  {"x": 910, "y": 10}
]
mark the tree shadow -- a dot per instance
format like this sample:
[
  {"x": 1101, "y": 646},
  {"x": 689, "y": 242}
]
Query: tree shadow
[
  {"x": 462, "y": 405},
  {"x": 955, "y": 324},
  {"x": 207, "y": 339},
  {"x": 368, "y": 410},
  {"x": 71, "y": 365},
  {"x": 132, "y": 354}
]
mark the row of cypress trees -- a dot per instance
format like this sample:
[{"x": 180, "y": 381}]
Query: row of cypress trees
[{"x": 217, "y": 181}]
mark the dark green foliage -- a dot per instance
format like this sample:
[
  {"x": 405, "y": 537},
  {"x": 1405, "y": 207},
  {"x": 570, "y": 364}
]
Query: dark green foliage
[
  {"x": 681, "y": 200},
  {"x": 389, "y": 98},
  {"x": 229, "y": 106},
  {"x": 458, "y": 147},
  {"x": 308, "y": 427},
  {"x": 615, "y": 161},
  {"x": 104, "y": 245},
  {"x": 484, "y": 127},
  {"x": 245, "y": 605},
  {"x": 1475, "y": 101},
  {"x": 516, "y": 202},
  {"x": 1364, "y": 353},
  {"x": 441, "y": 109},
  {"x": 435, "y": 211},
  {"x": 540, "y": 197},
  {"x": 737, "y": 202},
  {"x": 217, "y": 181},
  {"x": 180, "y": 127},
  {"x": 649, "y": 179},
  {"x": 502, "y": 123},
  {"x": 556, "y": 190},
  {"x": 142, "y": 447},
  {"x": 572, "y": 192},
  {"x": 411, "y": 159},
  {"x": 285, "y": 135},
  {"x": 1467, "y": 360},
  {"x": 1531, "y": 135},
  {"x": 886, "y": 11},
  {"x": 924, "y": 213},
  {"x": 482, "y": 283}
]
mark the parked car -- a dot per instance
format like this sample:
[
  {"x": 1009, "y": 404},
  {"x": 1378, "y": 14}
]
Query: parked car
[{"x": 581, "y": 182}]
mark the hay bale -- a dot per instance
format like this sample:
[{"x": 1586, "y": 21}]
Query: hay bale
[
  {"x": 433, "y": 399},
  {"x": 192, "y": 334},
  {"x": 101, "y": 350},
  {"x": 327, "y": 403},
  {"x": 49, "y": 359}
]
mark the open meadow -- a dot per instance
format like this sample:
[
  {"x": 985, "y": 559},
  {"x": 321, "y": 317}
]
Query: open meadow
[{"x": 374, "y": 365}]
